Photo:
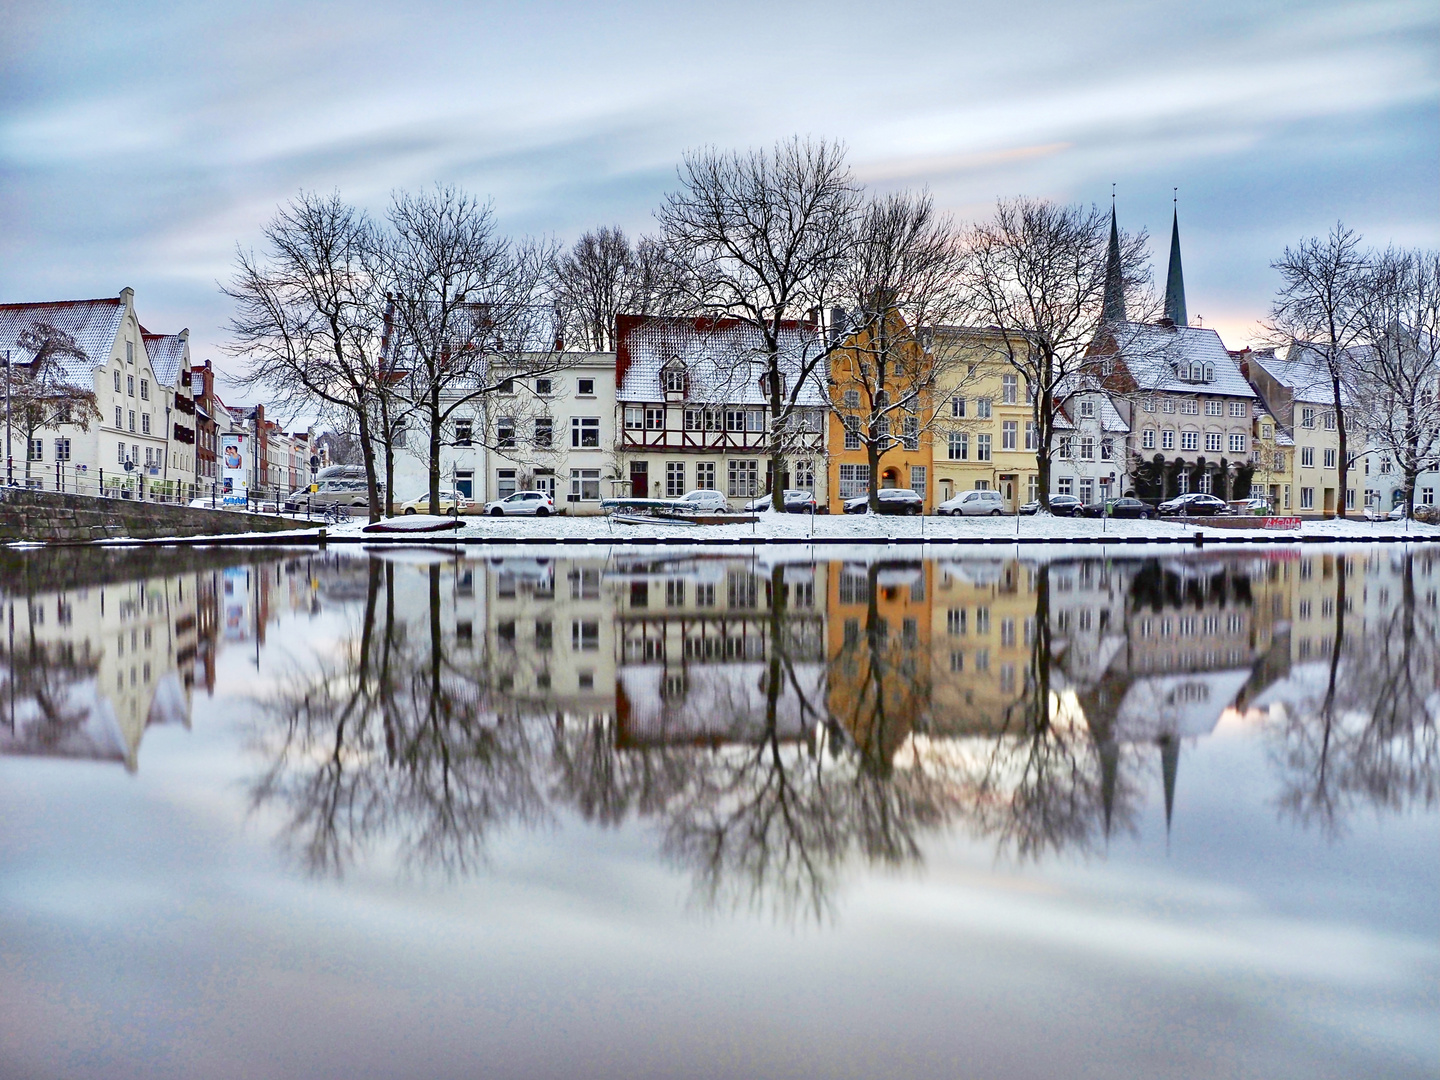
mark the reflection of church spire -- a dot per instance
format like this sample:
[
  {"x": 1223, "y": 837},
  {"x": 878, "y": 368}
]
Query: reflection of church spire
[
  {"x": 1169, "y": 765},
  {"x": 1114, "y": 279},
  {"x": 1175, "y": 280},
  {"x": 1109, "y": 776}
]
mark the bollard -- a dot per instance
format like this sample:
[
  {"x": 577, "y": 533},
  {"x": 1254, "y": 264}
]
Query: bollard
[
  {"x": 1199, "y": 538},
  {"x": 322, "y": 537}
]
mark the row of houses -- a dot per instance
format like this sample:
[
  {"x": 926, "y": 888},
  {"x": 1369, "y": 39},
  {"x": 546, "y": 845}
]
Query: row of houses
[
  {"x": 1157, "y": 409},
  {"x": 161, "y": 419}
]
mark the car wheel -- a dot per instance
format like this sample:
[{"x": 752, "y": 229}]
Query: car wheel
[
  {"x": 541, "y": 511},
  {"x": 454, "y": 511},
  {"x": 497, "y": 512},
  {"x": 409, "y": 509},
  {"x": 995, "y": 513}
]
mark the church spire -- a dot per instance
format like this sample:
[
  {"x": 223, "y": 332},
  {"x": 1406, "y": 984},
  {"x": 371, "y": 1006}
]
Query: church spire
[
  {"x": 1114, "y": 279},
  {"x": 1169, "y": 767},
  {"x": 1175, "y": 280}
]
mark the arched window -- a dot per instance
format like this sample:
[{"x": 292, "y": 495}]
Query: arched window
[
  {"x": 1197, "y": 373},
  {"x": 1209, "y": 372}
]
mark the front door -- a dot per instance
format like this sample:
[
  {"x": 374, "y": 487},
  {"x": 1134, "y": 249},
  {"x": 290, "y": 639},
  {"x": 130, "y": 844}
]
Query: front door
[
  {"x": 639, "y": 479},
  {"x": 1007, "y": 491}
]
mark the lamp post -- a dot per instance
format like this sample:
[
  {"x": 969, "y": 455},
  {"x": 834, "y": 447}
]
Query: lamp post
[{"x": 9, "y": 460}]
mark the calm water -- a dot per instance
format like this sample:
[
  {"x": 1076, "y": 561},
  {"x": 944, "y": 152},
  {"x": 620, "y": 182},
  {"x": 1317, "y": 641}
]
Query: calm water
[{"x": 340, "y": 816}]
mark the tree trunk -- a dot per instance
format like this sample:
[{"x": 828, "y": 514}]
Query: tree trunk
[
  {"x": 367, "y": 452},
  {"x": 434, "y": 404},
  {"x": 1344, "y": 447}
]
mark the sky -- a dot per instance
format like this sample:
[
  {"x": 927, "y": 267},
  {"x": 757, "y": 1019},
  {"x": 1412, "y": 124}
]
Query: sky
[{"x": 141, "y": 143}]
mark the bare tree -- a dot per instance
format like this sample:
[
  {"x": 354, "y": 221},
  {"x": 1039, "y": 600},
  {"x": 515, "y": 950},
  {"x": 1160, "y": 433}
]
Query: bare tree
[
  {"x": 762, "y": 237},
  {"x": 44, "y": 396},
  {"x": 900, "y": 280},
  {"x": 468, "y": 310},
  {"x": 1398, "y": 375},
  {"x": 308, "y": 315},
  {"x": 1320, "y": 307},
  {"x": 1036, "y": 273},
  {"x": 603, "y": 275}
]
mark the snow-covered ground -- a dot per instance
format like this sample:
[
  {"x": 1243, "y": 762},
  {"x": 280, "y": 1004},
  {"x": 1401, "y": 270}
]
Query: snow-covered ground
[{"x": 834, "y": 529}]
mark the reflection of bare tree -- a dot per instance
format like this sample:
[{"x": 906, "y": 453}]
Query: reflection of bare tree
[
  {"x": 1050, "y": 778},
  {"x": 39, "y": 692},
  {"x": 1366, "y": 734},
  {"x": 394, "y": 743}
]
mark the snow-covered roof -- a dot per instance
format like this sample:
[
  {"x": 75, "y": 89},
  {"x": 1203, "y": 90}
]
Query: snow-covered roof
[
  {"x": 168, "y": 356},
  {"x": 723, "y": 359},
  {"x": 94, "y": 324},
  {"x": 1301, "y": 370},
  {"x": 1152, "y": 353},
  {"x": 1282, "y": 437},
  {"x": 1178, "y": 705},
  {"x": 1068, "y": 412}
]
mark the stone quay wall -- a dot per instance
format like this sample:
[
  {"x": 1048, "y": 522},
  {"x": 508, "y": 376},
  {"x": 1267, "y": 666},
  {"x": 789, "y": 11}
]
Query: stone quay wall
[{"x": 52, "y": 517}]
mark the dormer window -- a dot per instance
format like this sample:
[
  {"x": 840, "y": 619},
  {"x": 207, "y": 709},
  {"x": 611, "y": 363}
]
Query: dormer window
[
  {"x": 1197, "y": 373},
  {"x": 1209, "y": 372},
  {"x": 674, "y": 379},
  {"x": 765, "y": 384}
]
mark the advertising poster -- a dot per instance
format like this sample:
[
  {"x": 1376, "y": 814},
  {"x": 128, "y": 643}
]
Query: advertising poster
[{"x": 232, "y": 468}]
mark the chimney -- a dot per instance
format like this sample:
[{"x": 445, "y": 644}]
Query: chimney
[{"x": 837, "y": 325}]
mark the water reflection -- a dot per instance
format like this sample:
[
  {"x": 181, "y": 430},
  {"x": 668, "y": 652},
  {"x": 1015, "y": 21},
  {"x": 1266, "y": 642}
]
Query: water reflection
[{"x": 772, "y": 719}]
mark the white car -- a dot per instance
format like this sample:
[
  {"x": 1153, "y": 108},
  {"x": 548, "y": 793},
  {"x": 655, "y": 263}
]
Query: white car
[
  {"x": 796, "y": 502},
  {"x": 703, "y": 502},
  {"x": 969, "y": 503},
  {"x": 451, "y": 502},
  {"x": 533, "y": 503}
]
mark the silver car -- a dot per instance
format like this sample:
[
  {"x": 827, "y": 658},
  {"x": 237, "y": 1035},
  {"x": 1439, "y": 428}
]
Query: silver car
[{"x": 968, "y": 503}]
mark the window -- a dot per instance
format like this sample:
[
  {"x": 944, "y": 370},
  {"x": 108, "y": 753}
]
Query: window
[
  {"x": 674, "y": 479},
  {"x": 132, "y": 419},
  {"x": 1307, "y": 457},
  {"x": 1239, "y": 408},
  {"x": 1279, "y": 462},
  {"x": 1205, "y": 482},
  {"x": 1307, "y": 418},
  {"x": 1087, "y": 491},
  {"x": 1087, "y": 407},
  {"x": 585, "y": 387},
  {"x": 675, "y": 593},
  {"x": 1307, "y": 498},
  {"x": 1067, "y": 446},
  {"x": 910, "y": 433},
  {"x": 1066, "y": 486},
  {"x": 982, "y": 447},
  {"x": 464, "y": 432},
  {"x": 1330, "y": 458},
  {"x": 634, "y": 418},
  {"x": 121, "y": 456},
  {"x": 584, "y": 485},
  {"x": 982, "y": 408},
  {"x": 917, "y": 480},
  {"x": 852, "y": 433},
  {"x": 1087, "y": 448},
  {"x": 117, "y": 380},
  {"x": 36, "y": 450},
  {"x": 544, "y": 431},
  {"x": 129, "y": 385},
  {"x": 1148, "y": 404},
  {"x": 505, "y": 485},
  {"x": 505, "y": 433},
  {"x": 62, "y": 449},
  {"x": 1266, "y": 431},
  {"x": 1427, "y": 496},
  {"x": 507, "y": 386},
  {"x": 1009, "y": 434},
  {"x": 1329, "y": 418},
  {"x": 705, "y": 475},
  {"x": 584, "y": 635},
  {"x": 129, "y": 352},
  {"x": 1147, "y": 439},
  {"x": 957, "y": 407},
  {"x": 851, "y": 399},
  {"x": 1213, "y": 441},
  {"x": 1189, "y": 440},
  {"x": 744, "y": 478},
  {"x": 544, "y": 387},
  {"x": 1168, "y": 405},
  {"x": 654, "y": 419},
  {"x": 1032, "y": 435},
  {"x": 1237, "y": 444},
  {"x": 959, "y": 446},
  {"x": 1214, "y": 408},
  {"x": 585, "y": 431},
  {"x": 805, "y": 475},
  {"x": 145, "y": 423},
  {"x": 1167, "y": 440},
  {"x": 1009, "y": 389},
  {"x": 1190, "y": 407},
  {"x": 854, "y": 481},
  {"x": 1107, "y": 449}
]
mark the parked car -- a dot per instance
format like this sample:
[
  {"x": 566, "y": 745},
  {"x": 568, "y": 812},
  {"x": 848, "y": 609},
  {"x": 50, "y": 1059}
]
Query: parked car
[
  {"x": 970, "y": 503},
  {"x": 703, "y": 502},
  {"x": 451, "y": 502},
  {"x": 1250, "y": 506},
  {"x": 1029, "y": 509},
  {"x": 796, "y": 502},
  {"x": 1119, "y": 508},
  {"x": 532, "y": 503},
  {"x": 1065, "y": 505},
  {"x": 1196, "y": 504},
  {"x": 342, "y": 485},
  {"x": 892, "y": 501}
]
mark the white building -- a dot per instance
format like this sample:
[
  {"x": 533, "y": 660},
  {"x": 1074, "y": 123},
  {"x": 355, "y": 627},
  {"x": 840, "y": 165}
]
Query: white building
[{"x": 1090, "y": 459}]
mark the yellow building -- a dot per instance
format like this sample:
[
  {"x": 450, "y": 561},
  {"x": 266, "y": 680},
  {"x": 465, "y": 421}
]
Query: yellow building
[
  {"x": 884, "y": 421},
  {"x": 982, "y": 637},
  {"x": 985, "y": 433}
]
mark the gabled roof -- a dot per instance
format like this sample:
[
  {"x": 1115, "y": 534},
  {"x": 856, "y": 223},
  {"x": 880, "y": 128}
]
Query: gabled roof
[
  {"x": 1152, "y": 351},
  {"x": 1071, "y": 389},
  {"x": 168, "y": 355},
  {"x": 94, "y": 324},
  {"x": 723, "y": 359},
  {"x": 1282, "y": 437},
  {"x": 1302, "y": 371}
]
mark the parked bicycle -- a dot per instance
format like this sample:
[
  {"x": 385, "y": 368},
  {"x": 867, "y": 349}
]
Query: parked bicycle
[{"x": 335, "y": 514}]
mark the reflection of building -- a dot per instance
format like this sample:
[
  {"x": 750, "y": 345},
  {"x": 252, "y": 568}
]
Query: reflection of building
[
  {"x": 698, "y": 640},
  {"x": 879, "y": 647}
]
